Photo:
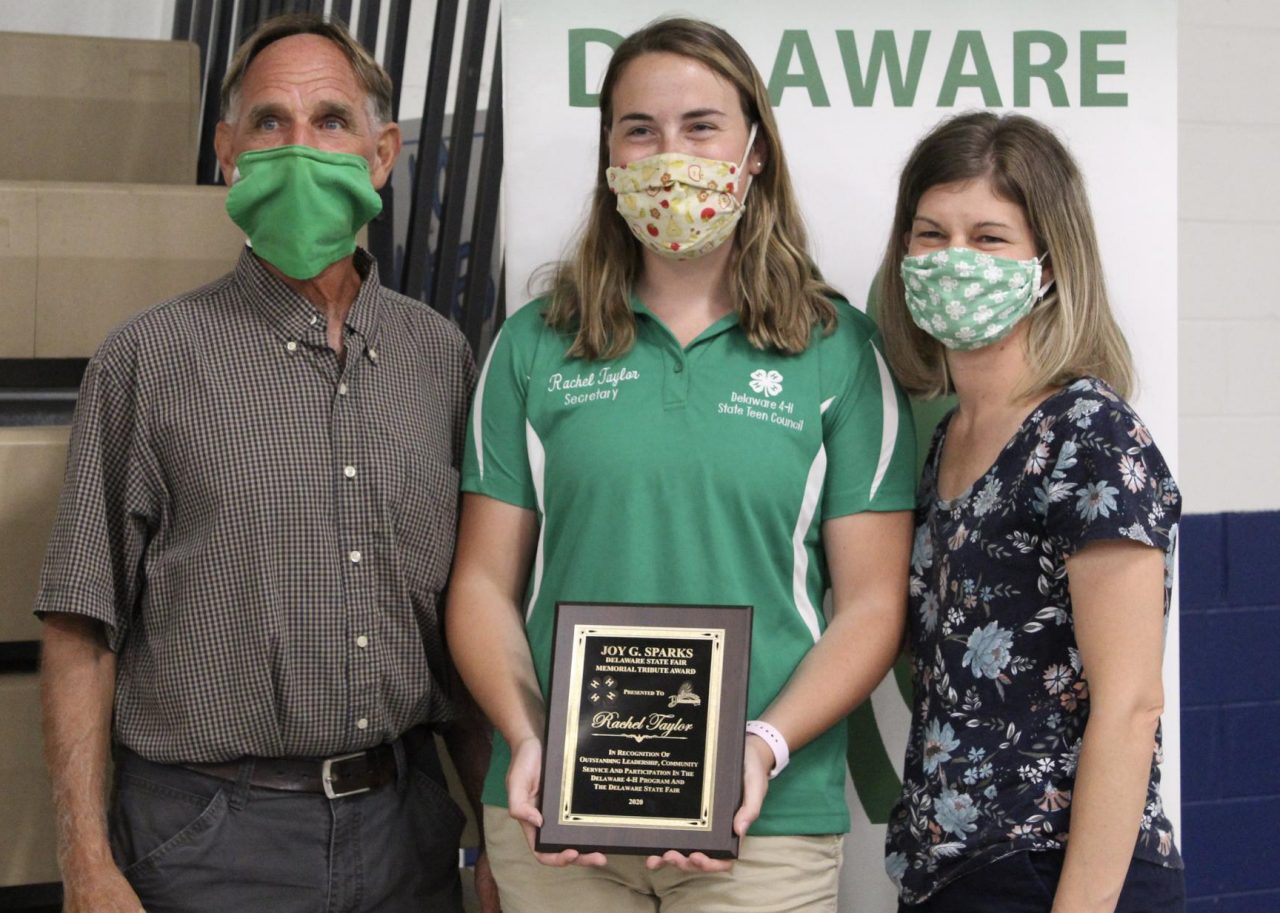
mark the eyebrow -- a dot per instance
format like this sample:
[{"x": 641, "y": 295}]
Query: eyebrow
[
  {"x": 977, "y": 225},
  {"x": 324, "y": 109},
  {"x": 336, "y": 109},
  {"x": 688, "y": 115},
  {"x": 269, "y": 109}
]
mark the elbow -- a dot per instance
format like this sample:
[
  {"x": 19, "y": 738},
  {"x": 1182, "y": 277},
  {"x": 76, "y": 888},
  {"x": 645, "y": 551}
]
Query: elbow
[{"x": 1138, "y": 712}]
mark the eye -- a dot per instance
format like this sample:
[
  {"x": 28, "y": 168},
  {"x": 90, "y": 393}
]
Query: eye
[
  {"x": 269, "y": 122},
  {"x": 992, "y": 239},
  {"x": 332, "y": 122},
  {"x": 930, "y": 233}
]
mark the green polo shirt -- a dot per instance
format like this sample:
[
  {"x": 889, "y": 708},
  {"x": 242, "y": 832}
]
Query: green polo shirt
[{"x": 697, "y": 474}]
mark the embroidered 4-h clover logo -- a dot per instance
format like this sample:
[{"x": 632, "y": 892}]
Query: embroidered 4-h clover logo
[{"x": 767, "y": 382}]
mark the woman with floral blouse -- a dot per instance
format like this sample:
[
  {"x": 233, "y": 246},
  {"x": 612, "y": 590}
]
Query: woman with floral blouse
[{"x": 1045, "y": 529}]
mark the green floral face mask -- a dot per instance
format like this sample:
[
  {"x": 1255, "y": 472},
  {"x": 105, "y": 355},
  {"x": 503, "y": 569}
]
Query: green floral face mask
[
  {"x": 966, "y": 299},
  {"x": 302, "y": 207}
]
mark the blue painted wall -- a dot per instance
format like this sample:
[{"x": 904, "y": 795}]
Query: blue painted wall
[{"x": 1230, "y": 613}]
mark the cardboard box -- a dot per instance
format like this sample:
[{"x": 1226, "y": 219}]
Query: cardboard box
[
  {"x": 28, "y": 852},
  {"x": 85, "y": 257},
  {"x": 32, "y": 461},
  {"x": 98, "y": 109}
]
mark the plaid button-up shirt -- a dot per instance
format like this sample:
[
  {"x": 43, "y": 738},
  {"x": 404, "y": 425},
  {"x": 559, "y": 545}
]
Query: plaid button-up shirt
[{"x": 265, "y": 531}]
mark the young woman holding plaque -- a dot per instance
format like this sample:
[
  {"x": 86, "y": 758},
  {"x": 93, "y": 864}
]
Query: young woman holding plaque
[
  {"x": 689, "y": 416},
  {"x": 1045, "y": 533}
]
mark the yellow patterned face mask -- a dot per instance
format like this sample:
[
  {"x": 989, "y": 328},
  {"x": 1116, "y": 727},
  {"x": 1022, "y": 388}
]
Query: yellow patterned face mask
[{"x": 680, "y": 206}]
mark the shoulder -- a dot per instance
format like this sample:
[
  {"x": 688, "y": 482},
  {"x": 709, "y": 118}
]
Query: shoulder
[
  {"x": 849, "y": 354},
  {"x": 854, "y": 329},
  {"x": 424, "y": 323},
  {"x": 1093, "y": 446},
  {"x": 1089, "y": 413},
  {"x": 162, "y": 332},
  {"x": 528, "y": 323},
  {"x": 526, "y": 337}
]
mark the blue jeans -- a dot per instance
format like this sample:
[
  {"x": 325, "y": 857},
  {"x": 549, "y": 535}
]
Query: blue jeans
[
  {"x": 190, "y": 842},
  {"x": 1025, "y": 882}
]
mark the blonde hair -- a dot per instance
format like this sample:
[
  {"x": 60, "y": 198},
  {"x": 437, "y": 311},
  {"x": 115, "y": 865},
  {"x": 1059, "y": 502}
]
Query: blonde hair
[
  {"x": 780, "y": 295},
  {"x": 369, "y": 73},
  {"x": 1072, "y": 331}
]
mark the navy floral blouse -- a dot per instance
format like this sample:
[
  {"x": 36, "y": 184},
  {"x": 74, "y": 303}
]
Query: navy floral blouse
[{"x": 1000, "y": 697}]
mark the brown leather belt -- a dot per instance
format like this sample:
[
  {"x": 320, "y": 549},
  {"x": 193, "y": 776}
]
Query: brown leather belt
[{"x": 341, "y": 775}]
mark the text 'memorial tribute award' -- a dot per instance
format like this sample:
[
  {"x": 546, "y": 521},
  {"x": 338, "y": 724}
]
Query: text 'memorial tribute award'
[{"x": 645, "y": 728}]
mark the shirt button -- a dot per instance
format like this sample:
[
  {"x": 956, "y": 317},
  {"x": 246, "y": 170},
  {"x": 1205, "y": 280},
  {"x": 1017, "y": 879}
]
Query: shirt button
[
  {"x": 349, "y": 472},
  {"x": 679, "y": 367},
  {"x": 291, "y": 346},
  {"x": 342, "y": 389},
  {"x": 373, "y": 354},
  {"x": 314, "y": 319},
  {"x": 362, "y": 723},
  {"x": 354, "y": 556},
  {"x": 362, "y": 641}
]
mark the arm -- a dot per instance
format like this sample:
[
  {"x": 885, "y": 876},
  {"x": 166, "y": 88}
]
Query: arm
[
  {"x": 485, "y": 629},
  {"x": 868, "y": 554},
  {"x": 1117, "y": 597},
  {"x": 469, "y": 740},
  {"x": 77, "y": 687}
]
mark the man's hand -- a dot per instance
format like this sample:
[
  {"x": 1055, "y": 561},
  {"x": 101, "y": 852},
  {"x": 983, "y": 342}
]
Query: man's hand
[
  {"x": 524, "y": 789},
  {"x": 486, "y": 886},
  {"x": 757, "y": 761},
  {"x": 97, "y": 888}
]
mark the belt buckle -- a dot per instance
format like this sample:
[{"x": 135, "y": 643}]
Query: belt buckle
[{"x": 326, "y": 776}]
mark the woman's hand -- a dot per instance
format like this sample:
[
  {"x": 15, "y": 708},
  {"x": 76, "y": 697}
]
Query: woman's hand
[
  {"x": 757, "y": 761},
  {"x": 524, "y": 790}
]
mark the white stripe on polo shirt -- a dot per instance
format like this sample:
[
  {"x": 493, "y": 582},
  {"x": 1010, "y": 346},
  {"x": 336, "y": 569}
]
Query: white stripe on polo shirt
[
  {"x": 477, "y": 408},
  {"x": 538, "y": 472},
  {"x": 889, "y": 428},
  {"x": 800, "y": 555}
]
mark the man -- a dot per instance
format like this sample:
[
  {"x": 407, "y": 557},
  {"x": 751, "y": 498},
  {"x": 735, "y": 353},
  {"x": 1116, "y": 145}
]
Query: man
[{"x": 256, "y": 527}]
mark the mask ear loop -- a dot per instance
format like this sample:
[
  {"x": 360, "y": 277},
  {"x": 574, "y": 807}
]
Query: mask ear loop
[
  {"x": 742, "y": 166},
  {"x": 1044, "y": 289}
]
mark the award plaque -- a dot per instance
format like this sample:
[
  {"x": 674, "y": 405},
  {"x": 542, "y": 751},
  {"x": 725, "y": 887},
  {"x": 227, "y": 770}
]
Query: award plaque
[{"x": 645, "y": 729}]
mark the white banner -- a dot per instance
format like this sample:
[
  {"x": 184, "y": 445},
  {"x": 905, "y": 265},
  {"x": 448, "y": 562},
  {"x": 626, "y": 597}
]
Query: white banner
[{"x": 854, "y": 85}]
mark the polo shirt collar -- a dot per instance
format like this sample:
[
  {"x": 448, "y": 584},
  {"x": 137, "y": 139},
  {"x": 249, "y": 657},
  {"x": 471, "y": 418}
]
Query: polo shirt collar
[
  {"x": 727, "y": 322},
  {"x": 293, "y": 317}
]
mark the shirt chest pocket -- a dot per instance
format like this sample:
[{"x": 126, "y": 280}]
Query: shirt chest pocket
[{"x": 426, "y": 516}]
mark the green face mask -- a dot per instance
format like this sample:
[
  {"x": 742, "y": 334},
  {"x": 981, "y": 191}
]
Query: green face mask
[{"x": 302, "y": 207}]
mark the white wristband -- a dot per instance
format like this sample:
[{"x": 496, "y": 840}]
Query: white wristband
[{"x": 777, "y": 744}]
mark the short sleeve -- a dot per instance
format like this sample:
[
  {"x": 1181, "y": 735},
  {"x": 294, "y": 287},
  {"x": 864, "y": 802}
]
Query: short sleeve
[
  {"x": 496, "y": 461},
  {"x": 110, "y": 504},
  {"x": 1109, "y": 480},
  {"x": 869, "y": 436}
]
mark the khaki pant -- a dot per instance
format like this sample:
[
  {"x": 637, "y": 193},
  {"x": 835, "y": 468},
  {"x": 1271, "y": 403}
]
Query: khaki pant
[{"x": 771, "y": 875}]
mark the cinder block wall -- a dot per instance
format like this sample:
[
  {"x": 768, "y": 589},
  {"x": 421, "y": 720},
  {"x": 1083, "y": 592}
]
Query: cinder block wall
[{"x": 1229, "y": 450}]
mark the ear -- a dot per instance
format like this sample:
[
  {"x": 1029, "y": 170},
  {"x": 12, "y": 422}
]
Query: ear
[
  {"x": 759, "y": 156},
  {"x": 386, "y": 151},
  {"x": 222, "y": 147},
  {"x": 1046, "y": 272}
]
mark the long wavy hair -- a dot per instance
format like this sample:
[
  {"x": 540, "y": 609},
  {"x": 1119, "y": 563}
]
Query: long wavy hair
[
  {"x": 778, "y": 292},
  {"x": 1072, "y": 330}
]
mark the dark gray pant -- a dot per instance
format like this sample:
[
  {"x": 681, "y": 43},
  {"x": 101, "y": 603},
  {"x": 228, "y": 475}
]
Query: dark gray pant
[{"x": 194, "y": 843}]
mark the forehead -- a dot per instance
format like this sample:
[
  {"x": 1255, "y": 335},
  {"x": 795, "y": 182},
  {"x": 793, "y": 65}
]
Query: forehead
[
  {"x": 661, "y": 82},
  {"x": 300, "y": 65},
  {"x": 974, "y": 200}
]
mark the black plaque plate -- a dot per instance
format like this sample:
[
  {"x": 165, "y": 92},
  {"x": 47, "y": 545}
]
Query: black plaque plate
[{"x": 645, "y": 729}]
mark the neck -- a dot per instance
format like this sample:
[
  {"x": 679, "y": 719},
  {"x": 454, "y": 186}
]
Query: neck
[
  {"x": 687, "y": 292},
  {"x": 986, "y": 379},
  {"x": 332, "y": 292}
]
